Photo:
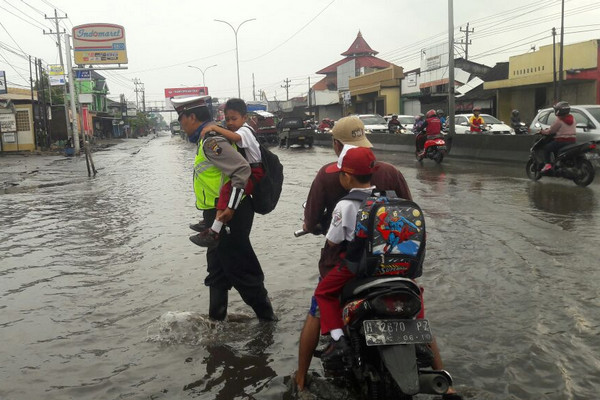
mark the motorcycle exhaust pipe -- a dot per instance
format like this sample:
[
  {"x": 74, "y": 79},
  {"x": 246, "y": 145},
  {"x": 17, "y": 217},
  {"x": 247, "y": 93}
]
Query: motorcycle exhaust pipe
[{"x": 434, "y": 382}]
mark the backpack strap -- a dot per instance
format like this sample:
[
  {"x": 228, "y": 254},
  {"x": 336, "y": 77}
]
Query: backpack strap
[{"x": 356, "y": 195}]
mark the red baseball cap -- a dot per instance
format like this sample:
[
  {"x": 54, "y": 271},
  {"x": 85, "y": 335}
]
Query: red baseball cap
[{"x": 355, "y": 161}]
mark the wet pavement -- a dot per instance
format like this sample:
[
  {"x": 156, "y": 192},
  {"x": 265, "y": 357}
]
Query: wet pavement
[{"x": 102, "y": 296}]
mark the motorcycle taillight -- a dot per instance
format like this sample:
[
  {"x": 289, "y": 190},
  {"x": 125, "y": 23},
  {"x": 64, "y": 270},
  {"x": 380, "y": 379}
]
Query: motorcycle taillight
[
  {"x": 397, "y": 304},
  {"x": 354, "y": 310},
  {"x": 592, "y": 146}
]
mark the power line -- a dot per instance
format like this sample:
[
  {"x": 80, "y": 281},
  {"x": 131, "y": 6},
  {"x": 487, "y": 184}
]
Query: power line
[{"x": 294, "y": 34}]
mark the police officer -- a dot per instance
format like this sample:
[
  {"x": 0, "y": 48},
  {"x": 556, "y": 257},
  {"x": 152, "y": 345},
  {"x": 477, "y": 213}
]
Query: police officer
[{"x": 232, "y": 262}]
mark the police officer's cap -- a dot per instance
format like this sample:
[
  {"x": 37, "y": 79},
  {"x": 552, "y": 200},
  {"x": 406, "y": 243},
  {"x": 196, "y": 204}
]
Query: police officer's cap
[{"x": 182, "y": 104}]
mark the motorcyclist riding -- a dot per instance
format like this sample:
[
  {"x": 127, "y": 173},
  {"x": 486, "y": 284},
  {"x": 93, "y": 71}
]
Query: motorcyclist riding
[
  {"x": 440, "y": 115},
  {"x": 431, "y": 128},
  {"x": 419, "y": 120},
  {"x": 564, "y": 130},
  {"x": 393, "y": 124},
  {"x": 515, "y": 119},
  {"x": 476, "y": 122}
]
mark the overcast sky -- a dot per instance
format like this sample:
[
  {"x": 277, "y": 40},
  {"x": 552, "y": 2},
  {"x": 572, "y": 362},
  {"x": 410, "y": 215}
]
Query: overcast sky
[{"x": 288, "y": 40}]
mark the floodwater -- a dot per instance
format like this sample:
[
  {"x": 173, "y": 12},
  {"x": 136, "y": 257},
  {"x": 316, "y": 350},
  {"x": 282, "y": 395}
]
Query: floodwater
[{"x": 102, "y": 296}]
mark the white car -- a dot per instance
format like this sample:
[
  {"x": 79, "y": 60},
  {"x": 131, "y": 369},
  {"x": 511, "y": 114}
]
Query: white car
[
  {"x": 587, "y": 118},
  {"x": 374, "y": 123},
  {"x": 407, "y": 121},
  {"x": 494, "y": 126}
]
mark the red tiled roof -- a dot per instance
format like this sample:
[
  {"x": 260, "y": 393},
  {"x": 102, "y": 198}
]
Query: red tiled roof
[
  {"x": 361, "y": 61},
  {"x": 359, "y": 46},
  {"x": 321, "y": 85}
]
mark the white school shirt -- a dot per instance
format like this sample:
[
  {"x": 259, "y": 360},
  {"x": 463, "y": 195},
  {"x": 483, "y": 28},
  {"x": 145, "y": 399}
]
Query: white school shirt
[
  {"x": 343, "y": 219},
  {"x": 249, "y": 144}
]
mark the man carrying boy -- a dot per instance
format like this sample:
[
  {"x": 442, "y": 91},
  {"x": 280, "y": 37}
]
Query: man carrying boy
[
  {"x": 232, "y": 263},
  {"x": 239, "y": 133}
]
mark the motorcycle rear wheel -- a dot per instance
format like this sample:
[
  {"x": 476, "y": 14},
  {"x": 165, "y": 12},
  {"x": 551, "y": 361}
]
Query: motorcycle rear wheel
[
  {"x": 586, "y": 173},
  {"x": 533, "y": 171},
  {"x": 438, "y": 158}
]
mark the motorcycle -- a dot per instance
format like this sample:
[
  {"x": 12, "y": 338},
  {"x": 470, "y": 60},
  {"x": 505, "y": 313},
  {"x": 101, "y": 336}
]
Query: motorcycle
[
  {"x": 390, "y": 357},
  {"x": 434, "y": 149},
  {"x": 570, "y": 162},
  {"x": 521, "y": 128}
]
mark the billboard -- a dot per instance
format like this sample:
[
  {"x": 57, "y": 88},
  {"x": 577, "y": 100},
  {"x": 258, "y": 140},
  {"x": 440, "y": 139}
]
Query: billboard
[
  {"x": 344, "y": 73},
  {"x": 99, "y": 44},
  {"x": 56, "y": 75},
  {"x": 3, "y": 89},
  {"x": 184, "y": 92}
]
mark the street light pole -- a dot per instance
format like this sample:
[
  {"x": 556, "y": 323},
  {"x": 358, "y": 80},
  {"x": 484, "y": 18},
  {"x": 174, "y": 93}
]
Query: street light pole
[
  {"x": 203, "y": 71},
  {"x": 237, "y": 61}
]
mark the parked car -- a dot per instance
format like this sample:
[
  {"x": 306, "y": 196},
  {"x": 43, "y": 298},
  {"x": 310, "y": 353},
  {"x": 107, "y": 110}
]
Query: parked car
[
  {"x": 293, "y": 131},
  {"x": 407, "y": 121},
  {"x": 263, "y": 123},
  {"x": 374, "y": 123},
  {"x": 494, "y": 125},
  {"x": 587, "y": 118}
]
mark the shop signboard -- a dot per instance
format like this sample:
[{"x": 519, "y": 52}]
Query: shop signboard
[{"x": 99, "y": 44}]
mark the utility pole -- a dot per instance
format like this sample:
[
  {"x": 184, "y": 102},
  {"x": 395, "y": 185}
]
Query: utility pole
[
  {"x": 309, "y": 101},
  {"x": 253, "y": 88},
  {"x": 286, "y": 87},
  {"x": 466, "y": 42},
  {"x": 72, "y": 93},
  {"x": 554, "y": 64},
  {"x": 137, "y": 82},
  {"x": 143, "y": 99},
  {"x": 562, "y": 39},
  {"x": 58, "y": 33},
  {"x": 450, "y": 72},
  {"x": 44, "y": 106}
]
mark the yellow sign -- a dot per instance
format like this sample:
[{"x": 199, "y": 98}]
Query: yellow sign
[{"x": 99, "y": 44}]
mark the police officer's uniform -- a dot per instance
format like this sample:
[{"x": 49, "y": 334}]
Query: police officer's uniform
[{"x": 232, "y": 263}]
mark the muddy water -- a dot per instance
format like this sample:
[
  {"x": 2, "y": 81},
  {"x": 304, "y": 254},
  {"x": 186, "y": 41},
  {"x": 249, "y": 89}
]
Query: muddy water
[{"x": 101, "y": 292}]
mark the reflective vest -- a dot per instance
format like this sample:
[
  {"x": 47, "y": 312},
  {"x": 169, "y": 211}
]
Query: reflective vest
[{"x": 208, "y": 180}]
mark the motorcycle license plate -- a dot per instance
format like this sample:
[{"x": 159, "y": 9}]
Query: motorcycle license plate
[
  {"x": 592, "y": 156},
  {"x": 397, "y": 331},
  {"x": 300, "y": 137}
]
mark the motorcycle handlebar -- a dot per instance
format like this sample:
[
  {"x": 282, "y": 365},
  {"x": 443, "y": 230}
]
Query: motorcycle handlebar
[{"x": 300, "y": 232}]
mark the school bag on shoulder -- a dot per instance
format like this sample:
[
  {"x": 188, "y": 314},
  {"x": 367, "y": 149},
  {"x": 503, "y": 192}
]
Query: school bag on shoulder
[
  {"x": 268, "y": 189},
  {"x": 389, "y": 237}
]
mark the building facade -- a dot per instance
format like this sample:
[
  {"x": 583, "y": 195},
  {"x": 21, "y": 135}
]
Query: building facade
[
  {"x": 17, "y": 120},
  {"x": 530, "y": 85}
]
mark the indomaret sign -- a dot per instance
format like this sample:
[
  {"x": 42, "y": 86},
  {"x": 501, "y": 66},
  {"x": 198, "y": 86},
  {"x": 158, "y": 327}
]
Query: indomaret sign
[{"x": 99, "y": 44}]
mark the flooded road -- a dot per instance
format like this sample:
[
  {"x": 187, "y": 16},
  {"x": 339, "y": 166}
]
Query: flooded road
[{"x": 102, "y": 296}]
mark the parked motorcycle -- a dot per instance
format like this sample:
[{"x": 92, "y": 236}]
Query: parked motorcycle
[
  {"x": 434, "y": 149},
  {"x": 571, "y": 162}
]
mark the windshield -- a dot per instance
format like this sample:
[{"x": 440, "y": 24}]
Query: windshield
[
  {"x": 373, "y": 120},
  {"x": 406, "y": 120},
  {"x": 490, "y": 120}
]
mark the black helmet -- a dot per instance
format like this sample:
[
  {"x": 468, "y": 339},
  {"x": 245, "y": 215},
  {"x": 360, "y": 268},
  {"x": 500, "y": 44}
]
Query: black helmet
[
  {"x": 515, "y": 113},
  {"x": 562, "y": 108}
]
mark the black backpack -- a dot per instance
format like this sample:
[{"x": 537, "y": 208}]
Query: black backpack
[
  {"x": 268, "y": 189},
  {"x": 389, "y": 236}
]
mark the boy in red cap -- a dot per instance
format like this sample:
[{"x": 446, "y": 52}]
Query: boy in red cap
[{"x": 356, "y": 165}]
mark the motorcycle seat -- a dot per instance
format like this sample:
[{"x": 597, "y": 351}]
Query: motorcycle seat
[{"x": 361, "y": 286}]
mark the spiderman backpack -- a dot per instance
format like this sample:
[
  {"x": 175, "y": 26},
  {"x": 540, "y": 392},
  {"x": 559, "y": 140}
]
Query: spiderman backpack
[{"x": 389, "y": 236}]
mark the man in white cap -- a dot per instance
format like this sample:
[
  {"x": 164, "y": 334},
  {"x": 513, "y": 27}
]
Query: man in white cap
[{"x": 232, "y": 262}]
